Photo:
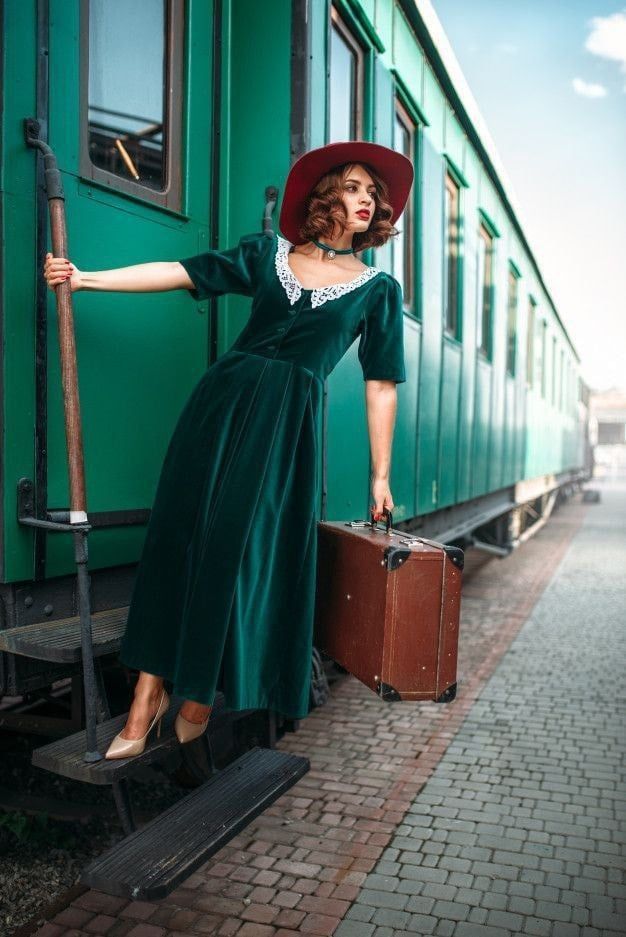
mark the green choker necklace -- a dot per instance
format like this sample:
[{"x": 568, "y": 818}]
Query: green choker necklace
[{"x": 332, "y": 251}]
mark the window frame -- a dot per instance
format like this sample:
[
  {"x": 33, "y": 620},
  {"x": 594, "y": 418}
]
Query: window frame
[
  {"x": 530, "y": 342},
  {"x": 411, "y": 126},
  {"x": 171, "y": 196},
  {"x": 338, "y": 21},
  {"x": 452, "y": 183},
  {"x": 513, "y": 276},
  {"x": 486, "y": 348}
]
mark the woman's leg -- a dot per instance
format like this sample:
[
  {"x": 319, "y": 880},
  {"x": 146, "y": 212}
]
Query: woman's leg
[
  {"x": 147, "y": 695},
  {"x": 144, "y": 706},
  {"x": 194, "y": 712}
]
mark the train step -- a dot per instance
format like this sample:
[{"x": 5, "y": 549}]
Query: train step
[
  {"x": 149, "y": 863},
  {"x": 65, "y": 756},
  {"x": 59, "y": 640}
]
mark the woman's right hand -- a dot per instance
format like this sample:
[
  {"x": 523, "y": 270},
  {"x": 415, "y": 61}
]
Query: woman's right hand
[{"x": 58, "y": 269}]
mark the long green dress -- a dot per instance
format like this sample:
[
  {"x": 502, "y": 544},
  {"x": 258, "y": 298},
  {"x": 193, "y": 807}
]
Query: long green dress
[{"x": 225, "y": 587}]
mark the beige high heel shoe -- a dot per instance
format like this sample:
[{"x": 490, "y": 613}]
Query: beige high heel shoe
[
  {"x": 187, "y": 731},
  {"x": 126, "y": 748}
]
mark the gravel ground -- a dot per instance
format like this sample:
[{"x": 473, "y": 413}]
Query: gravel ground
[{"x": 41, "y": 857}]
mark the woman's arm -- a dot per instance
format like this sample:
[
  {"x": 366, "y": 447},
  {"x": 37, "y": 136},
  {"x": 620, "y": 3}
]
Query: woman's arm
[
  {"x": 151, "y": 277},
  {"x": 381, "y": 400}
]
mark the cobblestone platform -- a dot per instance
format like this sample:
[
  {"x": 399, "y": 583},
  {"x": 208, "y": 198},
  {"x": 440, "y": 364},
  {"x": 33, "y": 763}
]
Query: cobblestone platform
[
  {"x": 500, "y": 813},
  {"x": 520, "y": 829}
]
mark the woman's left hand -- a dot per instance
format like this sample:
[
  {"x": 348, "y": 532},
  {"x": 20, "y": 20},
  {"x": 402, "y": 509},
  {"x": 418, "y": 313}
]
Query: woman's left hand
[{"x": 381, "y": 494}]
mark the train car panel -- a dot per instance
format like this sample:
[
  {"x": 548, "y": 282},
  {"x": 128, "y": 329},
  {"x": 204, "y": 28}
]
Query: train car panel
[
  {"x": 255, "y": 122},
  {"x": 19, "y": 294},
  {"x": 434, "y": 107},
  {"x": 451, "y": 372},
  {"x": 481, "y": 443},
  {"x": 405, "y": 451},
  {"x": 408, "y": 56}
]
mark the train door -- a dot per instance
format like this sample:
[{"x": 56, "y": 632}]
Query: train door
[{"x": 131, "y": 120}]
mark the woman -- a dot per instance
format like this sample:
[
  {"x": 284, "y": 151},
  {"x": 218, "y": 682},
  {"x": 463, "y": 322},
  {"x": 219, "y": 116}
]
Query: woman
[{"x": 227, "y": 572}]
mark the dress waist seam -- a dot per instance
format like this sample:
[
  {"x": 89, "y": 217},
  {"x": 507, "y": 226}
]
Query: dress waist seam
[{"x": 294, "y": 364}]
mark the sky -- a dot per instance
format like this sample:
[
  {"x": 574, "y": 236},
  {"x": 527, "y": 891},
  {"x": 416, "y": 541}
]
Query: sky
[{"x": 549, "y": 78}]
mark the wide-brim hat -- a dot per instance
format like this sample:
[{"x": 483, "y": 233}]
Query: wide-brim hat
[{"x": 395, "y": 168}]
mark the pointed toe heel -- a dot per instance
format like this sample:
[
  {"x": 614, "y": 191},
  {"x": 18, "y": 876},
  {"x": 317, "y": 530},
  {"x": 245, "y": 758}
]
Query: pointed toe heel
[
  {"x": 187, "y": 731},
  {"x": 127, "y": 748}
]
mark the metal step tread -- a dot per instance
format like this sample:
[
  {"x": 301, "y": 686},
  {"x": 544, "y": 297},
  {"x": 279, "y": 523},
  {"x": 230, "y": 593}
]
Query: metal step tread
[
  {"x": 59, "y": 640},
  {"x": 151, "y": 862},
  {"x": 65, "y": 756}
]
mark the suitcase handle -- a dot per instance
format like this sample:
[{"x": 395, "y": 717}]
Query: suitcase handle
[
  {"x": 405, "y": 538},
  {"x": 372, "y": 523},
  {"x": 387, "y": 514}
]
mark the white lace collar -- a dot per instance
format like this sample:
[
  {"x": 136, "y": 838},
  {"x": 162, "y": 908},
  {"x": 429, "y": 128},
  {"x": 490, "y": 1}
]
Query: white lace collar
[{"x": 294, "y": 288}]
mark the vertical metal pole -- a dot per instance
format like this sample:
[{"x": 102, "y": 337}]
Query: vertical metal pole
[{"x": 73, "y": 429}]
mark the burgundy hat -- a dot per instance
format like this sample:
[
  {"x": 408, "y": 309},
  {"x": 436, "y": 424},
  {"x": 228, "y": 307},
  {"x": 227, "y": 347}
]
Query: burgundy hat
[{"x": 394, "y": 167}]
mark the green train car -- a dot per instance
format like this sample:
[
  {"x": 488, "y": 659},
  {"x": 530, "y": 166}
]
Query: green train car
[{"x": 174, "y": 125}]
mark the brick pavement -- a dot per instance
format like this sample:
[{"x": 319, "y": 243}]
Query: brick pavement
[{"x": 372, "y": 842}]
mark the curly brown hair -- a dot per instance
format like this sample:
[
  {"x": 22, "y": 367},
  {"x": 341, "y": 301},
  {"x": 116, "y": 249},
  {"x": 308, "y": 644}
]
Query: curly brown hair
[{"x": 325, "y": 210}]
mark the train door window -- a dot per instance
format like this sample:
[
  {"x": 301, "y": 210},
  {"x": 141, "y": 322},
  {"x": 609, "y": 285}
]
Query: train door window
[
  {"x": 484, "y": 279},
  {"x": 553, "y": 385},
  {"x": 402, "y": 253},
  {"x": 345, "y": 84},
  {"x": 530, "y": 343},
  {"x": 131, "y": 97},
  {"x": 561, "y": 378},
  {"x": 511, "y": 327},
  {"x": 451, "y": 266}
]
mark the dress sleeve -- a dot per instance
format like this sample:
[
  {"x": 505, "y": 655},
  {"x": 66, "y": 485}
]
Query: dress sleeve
[
  {"x": 214, "y": 273},
  {"x": 381, "y": 345}
]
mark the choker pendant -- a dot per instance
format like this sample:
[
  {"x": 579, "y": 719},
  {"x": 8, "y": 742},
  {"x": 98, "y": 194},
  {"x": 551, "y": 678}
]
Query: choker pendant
[{"x": 332, "y": 251}]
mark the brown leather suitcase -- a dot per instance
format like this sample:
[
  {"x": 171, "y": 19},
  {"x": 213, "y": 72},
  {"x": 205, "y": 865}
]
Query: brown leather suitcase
[{"x": 387, "y": 608}]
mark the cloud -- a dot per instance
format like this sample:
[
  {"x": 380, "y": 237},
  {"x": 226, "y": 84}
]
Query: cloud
[
  {"x": 607, "y": 38},
  {"x": 588, "y": 89}
]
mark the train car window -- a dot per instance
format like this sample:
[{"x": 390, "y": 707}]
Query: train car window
[
  {"x": 561, "y": 378},
  {"x": 451, "y": 266},
  {"x": 553, "y": 385},
  {"x": 530, "y": 343},
  {"x": 511, "y": 327},
  {"x": 484, "y": 278},
  {"x": 345, "y": 83},
  {"x": 541, "y": 377},
  {"x": 402, "y": 253},
  {"x": 131, "y": 97}
]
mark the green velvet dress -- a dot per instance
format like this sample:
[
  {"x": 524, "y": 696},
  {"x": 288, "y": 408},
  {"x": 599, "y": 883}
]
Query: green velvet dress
[{"x": 225, "y": 588}]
